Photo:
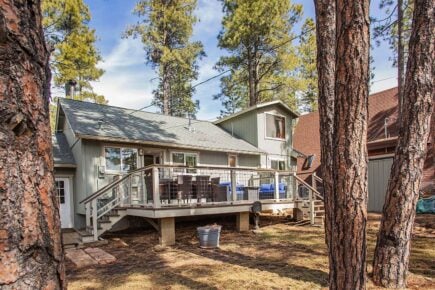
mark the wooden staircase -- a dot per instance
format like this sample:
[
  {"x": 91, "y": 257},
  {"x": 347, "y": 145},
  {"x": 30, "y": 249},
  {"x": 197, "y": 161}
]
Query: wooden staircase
[
  {"x": 313, "y": 207},
  {"x": 105, "y": 223}
]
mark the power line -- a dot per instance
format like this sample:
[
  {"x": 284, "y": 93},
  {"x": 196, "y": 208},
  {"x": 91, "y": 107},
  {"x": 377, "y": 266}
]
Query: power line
[
  {"x": 209, "y": 79},
  {"x": 383, "y": 79}
]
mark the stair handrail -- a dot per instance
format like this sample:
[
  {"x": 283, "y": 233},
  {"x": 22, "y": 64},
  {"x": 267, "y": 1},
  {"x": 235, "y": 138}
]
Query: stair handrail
[
  {"x": 111, "y": 185},
  {"x": 316, "y": 193},
  {"x": 317, "y": 178}
]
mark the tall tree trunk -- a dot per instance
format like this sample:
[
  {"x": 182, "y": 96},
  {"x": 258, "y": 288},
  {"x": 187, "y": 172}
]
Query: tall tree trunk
[
  {"x": 325, "y": 33},
  {"x": 251, "y": 80},
  {"x": 30, "y": 244},
  {"x": 343, "y": 67},
  {"x": 348, "y": 235},
  {"x": 165, "y": 91},
  {"x": 400, "y": 53},
  {"x": 391, "y": 260}
]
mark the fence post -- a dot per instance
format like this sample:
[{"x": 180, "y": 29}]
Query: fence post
[
  {"x": 233, "y": 185},
  {"x": 129, "y": 191},
  {"x": 88, "y": 215},
  {"x": 295, "y": 188},
  {"x": 312, "y": 214},
  {"x": 314, "y": 181},
  {"x": 95, "y": 219},
  {"x": 156, "y": 188},
  {"x": 142, "y": 188},
  {"x": 276, "y": 192}
]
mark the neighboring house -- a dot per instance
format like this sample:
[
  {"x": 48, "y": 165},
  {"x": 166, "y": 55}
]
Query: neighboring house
[
  {"x": 381, "y": 142},
  {"x": 95, "y": 144}
]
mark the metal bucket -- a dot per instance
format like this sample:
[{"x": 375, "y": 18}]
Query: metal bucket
[{"x": 209, "y": 236}]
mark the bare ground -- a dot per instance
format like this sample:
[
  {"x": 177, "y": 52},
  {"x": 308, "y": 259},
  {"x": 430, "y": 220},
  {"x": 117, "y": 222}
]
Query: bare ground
[{"x": 282, "y": 256}]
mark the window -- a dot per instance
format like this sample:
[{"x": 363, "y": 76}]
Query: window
[
  {"x": 120, "y": 159},
  {"x": 308, "y": 161},
  {"x": 60, "y": 190},
  {"x": 277, "y": 164},
  {"x": 275, "y": 126},
  {"x": 185, "y": 159},
  {"x": 232, "y": 160},
  {"x": 178, "y": 158}
]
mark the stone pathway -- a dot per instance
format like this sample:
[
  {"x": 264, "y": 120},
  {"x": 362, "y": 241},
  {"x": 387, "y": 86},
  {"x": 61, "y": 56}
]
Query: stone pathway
[{"x": 89, "y": 256}]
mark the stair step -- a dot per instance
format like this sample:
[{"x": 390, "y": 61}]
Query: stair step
[{"x": 104, "y": 222}]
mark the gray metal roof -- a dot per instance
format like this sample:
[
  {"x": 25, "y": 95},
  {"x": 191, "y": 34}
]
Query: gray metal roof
[
  {"x": 62, "y": 155},
  {"x": 103, "y": 122}
]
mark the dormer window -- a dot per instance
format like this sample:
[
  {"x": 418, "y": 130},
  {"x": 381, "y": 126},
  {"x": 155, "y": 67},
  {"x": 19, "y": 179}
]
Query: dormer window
[{"x": 275, "y": 126}]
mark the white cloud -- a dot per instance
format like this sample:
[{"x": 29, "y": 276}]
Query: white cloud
[
  {"x": 126, "y": 53},
  {"x": 127, "y": 81},
  {"x": 210, "y": 16}
]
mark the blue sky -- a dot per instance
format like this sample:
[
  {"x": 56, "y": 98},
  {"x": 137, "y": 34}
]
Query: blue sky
[{"x": 128, "y": 81}]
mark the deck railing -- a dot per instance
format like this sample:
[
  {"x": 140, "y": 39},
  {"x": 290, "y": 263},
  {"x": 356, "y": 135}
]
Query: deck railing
[{"x": 163, "y": 186}]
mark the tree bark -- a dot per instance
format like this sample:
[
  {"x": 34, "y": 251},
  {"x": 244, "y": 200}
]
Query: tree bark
[
  {"x": 165, "y": 91},
  {"x": 325, "y": 33},
  {"x": 252, "y": 79},
  {"x": 348, "y": 236},
  {"x": 392, "y": 251},
  {"x": 343, "y": 68},
  {"x": 30, "y": 243},
  {"x": 400, "y": 54}
]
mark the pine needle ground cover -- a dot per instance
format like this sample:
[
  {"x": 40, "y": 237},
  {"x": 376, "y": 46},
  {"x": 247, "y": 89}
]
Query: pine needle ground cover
[{"x": 282, "y": 256}]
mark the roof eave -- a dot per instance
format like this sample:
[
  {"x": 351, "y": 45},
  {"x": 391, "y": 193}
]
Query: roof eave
[{"x": 171, "y": 145}]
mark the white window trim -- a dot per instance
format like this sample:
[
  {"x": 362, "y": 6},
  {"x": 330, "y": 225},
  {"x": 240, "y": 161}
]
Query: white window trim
[
  {"x": 278, "y": 160},
  {"x": 237, "y": 160},
  {"x": 120, "y": 149},
  {"x": 265, "y": 127},
  {"x": 185, "y": 153}
]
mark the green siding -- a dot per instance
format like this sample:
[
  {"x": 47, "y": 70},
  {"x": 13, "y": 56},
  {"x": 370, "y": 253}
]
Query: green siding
[
  {"x": 209, "y": 158},
  {"x": 243, "y": 126},
  {"x": 249, "y": 160}
]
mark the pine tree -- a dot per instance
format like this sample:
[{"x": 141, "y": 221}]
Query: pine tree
[
  {"x": 74, "y": 59},
  {"x": 391, "y": 259},
  {"x": 307, "y": 68},
  {"x": 343, "y": 67},
  {"x": 395, "y": 29},
  {"x": 31, "y": 254},
  {"x": 262, "y": 60},
  {"x": 165, "y": 28}
]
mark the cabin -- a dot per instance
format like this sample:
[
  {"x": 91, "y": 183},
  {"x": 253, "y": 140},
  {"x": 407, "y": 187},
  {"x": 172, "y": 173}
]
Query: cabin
[{"x": 114, "y": 164}]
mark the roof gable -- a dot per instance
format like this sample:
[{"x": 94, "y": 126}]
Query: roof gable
[{"x": 259, "y": 106}]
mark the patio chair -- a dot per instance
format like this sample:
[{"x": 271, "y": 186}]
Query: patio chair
[
  {"x": 184, "y": 187},
  {"x": 149, "y": 187},
  {"x": 202, "y": 187},
  {"x": 219, "y": 192}
]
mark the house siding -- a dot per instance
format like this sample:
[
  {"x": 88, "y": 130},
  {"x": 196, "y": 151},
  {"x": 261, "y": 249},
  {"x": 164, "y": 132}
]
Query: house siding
[
  {"x": 243, "y": 127},
  {"x": 276, "y": 149}
]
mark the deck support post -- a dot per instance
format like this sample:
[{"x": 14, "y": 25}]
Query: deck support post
[
  {"x": 242, "y": 221},
  {"x": 233, "y": 185},
  {"x": 156, "y": 188},
  {"x": 167, "y": 231},
  {"x": 276, "y": 191},
  {"x": 95, "y": 219}
]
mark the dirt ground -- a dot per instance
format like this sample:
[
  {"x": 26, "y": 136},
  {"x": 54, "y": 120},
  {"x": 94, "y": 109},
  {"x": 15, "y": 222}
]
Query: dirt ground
[{"x": 281, "y": 256}]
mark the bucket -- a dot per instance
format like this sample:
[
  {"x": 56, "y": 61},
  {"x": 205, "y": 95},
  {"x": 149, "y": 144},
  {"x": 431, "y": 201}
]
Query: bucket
[{"x": 209, "y": 236}]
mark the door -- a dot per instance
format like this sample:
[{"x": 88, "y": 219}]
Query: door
[
  {"x": 64, "y": 199},
  {"x": 379, "y": 173}
]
